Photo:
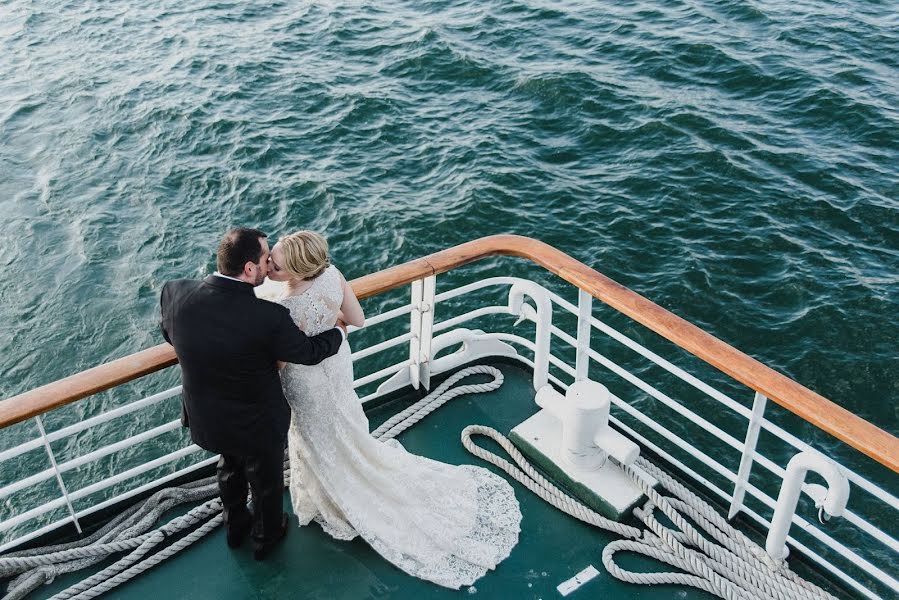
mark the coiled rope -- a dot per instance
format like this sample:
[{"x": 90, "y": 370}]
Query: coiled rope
[
  {"x": 128, "y": 531},
  {"x": 734, "y": 568}
]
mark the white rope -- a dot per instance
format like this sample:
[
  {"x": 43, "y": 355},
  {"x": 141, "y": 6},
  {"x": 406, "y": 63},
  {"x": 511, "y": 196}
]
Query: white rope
[
  {"x": 129, "y": 566},
  {"x": 734, "y": 568},
  {"x": 130, "y": 530},
  {"x": 440, "y": 396}
]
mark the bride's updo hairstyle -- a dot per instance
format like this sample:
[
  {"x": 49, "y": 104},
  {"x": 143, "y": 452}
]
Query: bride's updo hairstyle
[{"x": 305, "y": 254}]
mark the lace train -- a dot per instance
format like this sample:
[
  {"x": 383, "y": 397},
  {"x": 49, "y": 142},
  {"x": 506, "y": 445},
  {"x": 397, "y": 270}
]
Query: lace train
[{"x": 443, "y": 523}]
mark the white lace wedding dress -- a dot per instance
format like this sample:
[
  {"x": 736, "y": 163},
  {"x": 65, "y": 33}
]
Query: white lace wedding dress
[{"x": 443, "y": 523}]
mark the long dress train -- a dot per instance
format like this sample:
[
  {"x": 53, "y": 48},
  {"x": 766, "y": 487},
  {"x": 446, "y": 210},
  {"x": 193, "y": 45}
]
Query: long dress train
[{"x": 443, "y": 523}]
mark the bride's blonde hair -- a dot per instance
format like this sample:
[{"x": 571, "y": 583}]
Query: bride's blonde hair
[{"x": 305, "y": 254}]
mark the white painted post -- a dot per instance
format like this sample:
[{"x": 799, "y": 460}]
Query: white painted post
[
  {"x": 62, "y": 486},
  {"x": 415, "y": 330},
  {"x": 429, "y": 292},
  {"x": 752, "y": 436},
  {"x": 585, "y": 311},
  {"x": 542, "y": 316},
  {"x": 421, "y": 326}
]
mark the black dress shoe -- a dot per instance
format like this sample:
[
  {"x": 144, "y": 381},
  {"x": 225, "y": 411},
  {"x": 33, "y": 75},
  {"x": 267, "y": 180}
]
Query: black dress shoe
[
  {"x": 235, "y": 533},
  {"x": 261, "y": 551}
]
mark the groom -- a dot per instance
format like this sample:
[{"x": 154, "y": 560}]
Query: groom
[{"x": 228, "y": 343}]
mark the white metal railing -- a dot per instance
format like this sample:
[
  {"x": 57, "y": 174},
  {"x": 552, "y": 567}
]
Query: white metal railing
[{"x": 417, "y": 369}]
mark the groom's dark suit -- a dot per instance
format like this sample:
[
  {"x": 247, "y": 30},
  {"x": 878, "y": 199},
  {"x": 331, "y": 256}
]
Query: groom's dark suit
[{"x": 228, "y": 342}]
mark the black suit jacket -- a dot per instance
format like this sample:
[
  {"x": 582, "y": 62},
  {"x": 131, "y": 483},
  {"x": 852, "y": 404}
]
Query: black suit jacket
[{"x": 227, "y": 342}]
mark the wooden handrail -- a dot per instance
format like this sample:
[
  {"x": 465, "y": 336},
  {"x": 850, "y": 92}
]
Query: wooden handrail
[
  {"x": 86, "y": 383},
  {"x": 814, "y": 408}
]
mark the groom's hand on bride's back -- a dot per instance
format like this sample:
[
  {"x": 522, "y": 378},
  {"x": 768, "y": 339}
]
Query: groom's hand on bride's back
[{"x": 342, "y": 325}]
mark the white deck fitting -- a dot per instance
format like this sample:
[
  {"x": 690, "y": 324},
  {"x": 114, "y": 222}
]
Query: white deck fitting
[
  {"x": 607, "y": 490},
  {"x": 566, "y": 587}
]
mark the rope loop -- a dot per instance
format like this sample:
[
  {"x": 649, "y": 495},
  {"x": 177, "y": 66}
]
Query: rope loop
[{"x": 734, "y": 568}]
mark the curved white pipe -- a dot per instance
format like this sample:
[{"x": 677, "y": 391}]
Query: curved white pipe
[
  {"x": 543, "y": 318},
  {"x": 834, "y": 501}
]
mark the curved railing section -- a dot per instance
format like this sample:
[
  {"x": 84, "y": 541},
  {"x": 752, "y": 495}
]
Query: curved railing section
[{"x": 810, "y": 406}]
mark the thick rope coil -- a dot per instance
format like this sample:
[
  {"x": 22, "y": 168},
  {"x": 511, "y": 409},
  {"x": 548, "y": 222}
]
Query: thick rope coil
[
  {"x": 130, "y": 566},
  {"x": 440, "y": 396},
  {"x": 127, "y": 531},
  {"x": 734, "y": 568},
  {"x": 538, "y": 484}
]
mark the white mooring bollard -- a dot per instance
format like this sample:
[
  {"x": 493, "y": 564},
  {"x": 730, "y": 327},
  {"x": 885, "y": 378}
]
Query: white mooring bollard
[
  {"x": 572, "y": 441},
  {"x": 587, "y": 440}
]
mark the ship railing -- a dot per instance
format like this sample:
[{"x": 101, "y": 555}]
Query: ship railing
[
  {"x": 550, "y": 354},
  {"x": 746, "y": 448}
]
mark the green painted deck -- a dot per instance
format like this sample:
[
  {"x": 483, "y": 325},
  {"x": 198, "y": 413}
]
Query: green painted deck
[{"x": 552, "y": 548}]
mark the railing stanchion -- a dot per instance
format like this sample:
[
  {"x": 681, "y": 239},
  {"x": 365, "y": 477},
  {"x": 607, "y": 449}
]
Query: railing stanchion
[
  {"x": 421, "y": 326},
  {"x": 542, "y": 315},
  {"x": 62, "y": 485},
  {"x": 415, "y": 330},
  {"x": 585, "y": 311},
  {"x": 752, "y": 436},
  {"x": 426, "y": 332}
]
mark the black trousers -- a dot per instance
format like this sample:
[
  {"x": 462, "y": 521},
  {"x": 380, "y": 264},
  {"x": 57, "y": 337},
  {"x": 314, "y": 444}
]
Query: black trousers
[{"x": 263, "y": 474}]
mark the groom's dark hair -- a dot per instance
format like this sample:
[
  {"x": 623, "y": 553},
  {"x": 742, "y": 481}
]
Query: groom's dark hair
[{"x": 239, "y": 246}]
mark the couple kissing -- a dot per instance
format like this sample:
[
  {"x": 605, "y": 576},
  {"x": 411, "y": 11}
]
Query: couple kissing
[{"x": 258, "y": 376}]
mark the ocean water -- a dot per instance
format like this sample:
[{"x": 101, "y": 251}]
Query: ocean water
[{"x": 735, "y": 162}]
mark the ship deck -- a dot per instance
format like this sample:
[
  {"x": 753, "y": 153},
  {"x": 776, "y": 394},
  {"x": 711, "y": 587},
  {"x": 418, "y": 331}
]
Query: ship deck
[{"x": 553, "y": 547}]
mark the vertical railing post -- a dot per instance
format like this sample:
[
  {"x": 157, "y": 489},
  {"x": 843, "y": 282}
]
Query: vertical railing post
[
  {"x": 422, "y": 329},
  {"x": 62, "y": 486},
  {"x": 542, "y": 316},
  {"x": 752, "y": 436},
  {"x": 415, "y": 330},
  {"x": 585, "y": 311},
  {"x": 429, "y": 292}
]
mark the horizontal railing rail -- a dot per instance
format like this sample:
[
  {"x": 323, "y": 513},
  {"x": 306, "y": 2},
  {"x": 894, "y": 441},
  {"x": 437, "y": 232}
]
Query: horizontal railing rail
[{"x": 810, "y": 406}]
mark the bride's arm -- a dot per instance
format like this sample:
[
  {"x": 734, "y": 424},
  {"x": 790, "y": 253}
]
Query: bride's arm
[{"x": 350, "y": 311}]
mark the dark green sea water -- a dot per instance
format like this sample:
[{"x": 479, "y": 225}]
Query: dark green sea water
[{"x": 735, "y": 162}]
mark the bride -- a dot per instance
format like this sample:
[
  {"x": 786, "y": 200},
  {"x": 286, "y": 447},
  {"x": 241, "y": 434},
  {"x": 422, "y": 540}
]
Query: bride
[{"x": 443, "y": 523}]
